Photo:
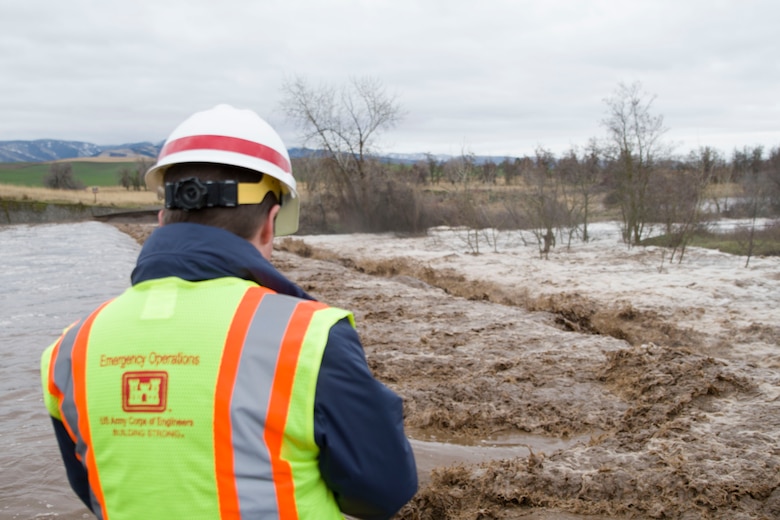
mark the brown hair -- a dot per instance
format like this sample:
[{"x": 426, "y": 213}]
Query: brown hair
[{"x": 243, "y": 220}]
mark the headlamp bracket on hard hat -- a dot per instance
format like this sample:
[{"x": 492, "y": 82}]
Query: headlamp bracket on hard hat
[{"x": 193, "y": 194}]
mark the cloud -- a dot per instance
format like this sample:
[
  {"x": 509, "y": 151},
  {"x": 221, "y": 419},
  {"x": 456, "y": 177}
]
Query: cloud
[{"x": 500, "y": 77}]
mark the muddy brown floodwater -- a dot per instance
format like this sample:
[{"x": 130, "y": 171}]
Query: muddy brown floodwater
[{"x": 559, "y": 407}]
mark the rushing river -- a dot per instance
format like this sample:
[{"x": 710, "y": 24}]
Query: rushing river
[{"x": 52, "y": 275}]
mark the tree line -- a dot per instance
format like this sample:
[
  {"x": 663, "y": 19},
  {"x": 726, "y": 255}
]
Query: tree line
[{"x": 631, "y": 173}]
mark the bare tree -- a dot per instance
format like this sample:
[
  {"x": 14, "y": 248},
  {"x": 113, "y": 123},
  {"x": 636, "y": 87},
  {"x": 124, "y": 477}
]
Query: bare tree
[
  {"x": 345, "y": 123},
  {"x": 419, "y": 172},
  {"x": 311, "y": 178},
  {"x": 61, "y": 177},
  {"x": 142, "y": 165},
  {"x": 541, "y": 206},
  {"x": 755, "y": 191},
  {"x": 477, "y": 222},
  {"x": 676, "y": 197},
  {"x": 126, "y": 177},
  {"x": 711, "y": 166},
  {"x": 461, "y": 169},
  {"x": 747, "y": 162},
  {"x": 134, "y": 177},
  {"x": 755, "y": 180},
  {"x": 488, "y": 172},
  {"x": 583, "y": 172},
  {"x": 435, "y": 169},
  {"x": 511, "y": 169},
  {"x": 773, "y": 174},
  {"x": 634, "y": 135}
]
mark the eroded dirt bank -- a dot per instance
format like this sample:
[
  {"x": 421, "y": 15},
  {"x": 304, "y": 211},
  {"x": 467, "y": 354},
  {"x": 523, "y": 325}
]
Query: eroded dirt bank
[{"x": 670, "y": 430}]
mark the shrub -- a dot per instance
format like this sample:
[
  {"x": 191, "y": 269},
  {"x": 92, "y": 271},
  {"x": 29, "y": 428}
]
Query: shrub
[{"x": 61, "y": 177}]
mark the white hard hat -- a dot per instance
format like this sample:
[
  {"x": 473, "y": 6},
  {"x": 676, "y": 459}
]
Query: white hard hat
[{"x": 237, "y": 137}]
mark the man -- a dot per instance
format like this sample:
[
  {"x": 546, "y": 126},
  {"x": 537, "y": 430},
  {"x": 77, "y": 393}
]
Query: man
[{"x": 214, "y": 387}]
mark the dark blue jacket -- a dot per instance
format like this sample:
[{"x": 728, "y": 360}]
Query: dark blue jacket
[{"x": 365, "y": 457}]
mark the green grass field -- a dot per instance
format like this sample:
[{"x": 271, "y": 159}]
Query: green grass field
[
  {"x": 90, "y": 173},
  {"x": 764, "y": 242}
]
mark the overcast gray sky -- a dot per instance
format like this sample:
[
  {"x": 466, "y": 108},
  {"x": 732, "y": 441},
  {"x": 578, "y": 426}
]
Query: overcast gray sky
[{"x": 497, "y": 77}]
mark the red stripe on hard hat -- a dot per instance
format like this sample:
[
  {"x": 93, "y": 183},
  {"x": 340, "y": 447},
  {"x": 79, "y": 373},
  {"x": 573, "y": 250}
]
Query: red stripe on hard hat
[{"x": 226, "y": 144}]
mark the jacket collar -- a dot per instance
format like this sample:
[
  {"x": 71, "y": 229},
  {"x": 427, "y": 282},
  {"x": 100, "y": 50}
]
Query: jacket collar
[{"x": 195, "y": 252}]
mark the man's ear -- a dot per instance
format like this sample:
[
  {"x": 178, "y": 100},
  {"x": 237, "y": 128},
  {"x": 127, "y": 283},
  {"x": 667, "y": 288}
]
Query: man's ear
[
  {"x": 267, "y": 230},
  {"x": 160, "y": 217}
]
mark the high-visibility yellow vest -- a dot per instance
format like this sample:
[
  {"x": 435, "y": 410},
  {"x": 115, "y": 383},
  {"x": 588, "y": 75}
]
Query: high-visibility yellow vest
[{"x": 190, "y": 400}]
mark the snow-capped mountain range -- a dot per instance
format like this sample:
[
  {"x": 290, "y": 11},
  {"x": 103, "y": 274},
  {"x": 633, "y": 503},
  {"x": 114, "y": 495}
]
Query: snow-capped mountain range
[{"x": 43, "y": 150}]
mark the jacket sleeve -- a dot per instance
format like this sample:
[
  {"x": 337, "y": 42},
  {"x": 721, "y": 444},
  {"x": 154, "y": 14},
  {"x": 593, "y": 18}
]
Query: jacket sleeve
[
  {"x": 365, "y": 457},
  {"x": 77, "y": 474}
]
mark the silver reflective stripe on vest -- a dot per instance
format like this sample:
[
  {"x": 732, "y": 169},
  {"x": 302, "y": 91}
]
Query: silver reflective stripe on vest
[
  {"x": 63, "y": 370},
  {"x": 251, "y": 395},
  {"x": 63, "y": 379}
]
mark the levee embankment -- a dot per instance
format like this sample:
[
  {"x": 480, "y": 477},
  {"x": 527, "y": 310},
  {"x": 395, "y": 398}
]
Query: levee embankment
[{"x": 36, "y": 212}]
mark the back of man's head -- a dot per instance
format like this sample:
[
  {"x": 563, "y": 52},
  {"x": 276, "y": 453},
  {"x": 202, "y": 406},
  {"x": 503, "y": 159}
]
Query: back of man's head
[{"x": 243, "y": 220}]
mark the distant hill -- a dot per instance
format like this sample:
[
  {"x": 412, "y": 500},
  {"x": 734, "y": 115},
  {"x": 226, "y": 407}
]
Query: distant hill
[{"x": 43, "y": 150}]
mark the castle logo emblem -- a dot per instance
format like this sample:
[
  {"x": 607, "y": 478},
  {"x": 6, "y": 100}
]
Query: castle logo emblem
[{"x": 144, "y": 391}]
